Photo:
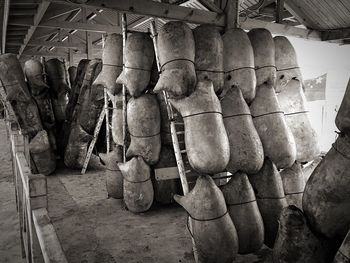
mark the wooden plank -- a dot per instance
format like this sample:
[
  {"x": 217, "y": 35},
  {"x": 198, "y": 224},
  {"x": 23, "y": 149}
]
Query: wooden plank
[
  {"x": 155, "y": 9},
  {"x": 37, "y": 18},
  {"x": 166, "y": 173},
  {"x": 4, "y": 24},
  {"x": 50, "y": 245},
  {"x": 55, "y": 44},
  {"x": 331, "y": 35},
  {"x": 279, "y": 11}
]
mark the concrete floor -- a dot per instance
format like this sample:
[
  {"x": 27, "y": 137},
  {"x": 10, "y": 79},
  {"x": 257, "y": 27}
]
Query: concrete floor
[{"x": 10, "y": 247}]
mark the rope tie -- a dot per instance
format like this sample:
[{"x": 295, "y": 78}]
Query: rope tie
[
  {"x": 267, "y": 66},
  {"x": 283, "y": 69},
  {"x": 270, "y": 113},
  {"x": 137, "y": 182},
  {"x": 143, "y": 136},
  {"x": 173, "y": 60},
  {"x": 137, "y": 68},
  {"x": 211, "y": 71},
  {"x": 110, "y": 65},
  {"x": 294, "y": 193},
  {"x": 210, "y": 219},
  {"x": 200, "y": 113},
  {"x": 237, "y": 115},
  {"x": 243, "y": 203},
  {"x": 270, "y": 198},
  {"x": 293, "y": 113},
  {"x": 229, "y": 71}
]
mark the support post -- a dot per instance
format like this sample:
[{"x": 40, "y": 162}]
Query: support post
[
  {"x": 70, "y": 53},
  {"x": 87, "y": 36},
  {"x": 232, "y": 14},
  {"x": 279, "y": 11},
  {"x": 124, "y": 30}
]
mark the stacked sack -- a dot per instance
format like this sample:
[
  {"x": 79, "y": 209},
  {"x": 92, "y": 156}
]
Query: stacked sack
[
  {"x": 34, "y": 113},
  {"x": 143, "y": 122}
]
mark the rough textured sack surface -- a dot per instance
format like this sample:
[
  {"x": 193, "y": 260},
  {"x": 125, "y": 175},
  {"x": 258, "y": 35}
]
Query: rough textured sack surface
[
  {"x": 139, "y": 56},
  {"x": 268, "y": 188},
  {"x": 143, "y": 119},
  {"x": 112, "y": 59},
  {"x": 276, "y": 137},
  {"x": 42, "y": 154},
  {"x": 264, "y": 55},
  {"x": 295, "y": 242},
  {"x": 209, "y": 58},
  {"x": 40, "y": 92},
  {"x": 213, "y": 231},
  {"x": 343, "y": 254},
  {"x": 57, "y": 80},
  {"x": 293, "y": 184},
  {"x": 138, "y": 190},
  {"x": 78, "y": 143},
  {"x": 26, "y": 110},
  {"x": 246, "y": 150},
  {"x": 292, "y": 101},
  {"x": 327, "y": 192},
  {"x": 243, "y": 209},
  {"x": 176, "y": 50},
  {"x": 206, "y": 140},
  {"x": 114, "y": 177},
  {"x": 343, "y": 116},
  {"x": 239, "y": 63},
  {"x": 165, "y": 189},
  {"x": 117, "y": 119},
  {"x": 286, "y": 62}
]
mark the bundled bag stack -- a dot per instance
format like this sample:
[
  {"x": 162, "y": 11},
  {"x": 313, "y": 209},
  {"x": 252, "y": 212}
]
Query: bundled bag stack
[{"x": 33, "y": 115}]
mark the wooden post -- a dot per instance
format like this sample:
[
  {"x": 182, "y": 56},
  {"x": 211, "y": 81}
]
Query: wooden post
[
  {"x": 232, "y": 14},
  {"x": 88, "y": 36},
  {"x": 70, "y": 53},
  {"x": 124, "y": 30},
  {"x": 279, "y": 11}
]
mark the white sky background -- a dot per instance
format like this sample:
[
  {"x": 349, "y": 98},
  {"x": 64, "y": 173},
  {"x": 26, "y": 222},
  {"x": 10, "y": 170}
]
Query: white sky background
[{"x": 316, "y": 58}]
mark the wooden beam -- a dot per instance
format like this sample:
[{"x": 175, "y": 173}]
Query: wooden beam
[
  {"x": 17, "y": 33},
  {"x": 337, "y": 34},
  {"x": 25, "y": 2},
  {"x": 23, "y": 11},
  {"x": 45, "y": 54},
  {"x": 280, "y": 29},
  {"x": 80, "y": 26},
  {"x": 12, "y": 43},
  {"x": 155, "y": 9},
  {"x": 232, "y": 14},
  {"x": 55, "y": 44},
  {"x": 37, "y": 18},
  {"x": 279, "y": 11},
  {"x": 4, "y": 24}
]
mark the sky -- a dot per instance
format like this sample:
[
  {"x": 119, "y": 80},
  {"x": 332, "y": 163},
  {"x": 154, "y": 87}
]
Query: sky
[{"x": 316, "y": 58}]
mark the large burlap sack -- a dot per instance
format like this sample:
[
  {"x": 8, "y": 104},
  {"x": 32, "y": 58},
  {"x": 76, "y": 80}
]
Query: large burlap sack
[
  {"x": 76, "y": 150},
  {"x": 276, "y": 137},
  {"x": 293, "y": 184},
  {"x": 293, "y": 103},
  {"x": 295, "y": 241},
  {"x": 239, "y": 63},
  {"x": 327, "y": 192},
  {"x": 206, "y": 140},
  {"x": 286, "y": 62},
  {"x": 246, "y": 150},
  {"x": 143, "y": 119},
  {"x": 57, "y": 80},
  {"x": 209, "y": 58},
  {"x": 264, "y": 56},
  {"x": 17, "y": 93},
  {"x": 114, "y": 177},
  {"x": 268, "y": 188},
  {"x": 75, "y": 91},
  {"x": 91, "y": 98},
  {"x": 213, "y": 231},
  {"x": 117, "y": 119},
  {"x": 343, "y": 116},
  {"x": 176, "y": 50},
  {"x": 243, "y": 209},
  {"x": 112, "y": 61},
  {"x": 42, "y": 154},
  {"x": 138, "y": 191},
  {"x": 40, "y": 92},
  {"x": 139, "y": 56}
]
